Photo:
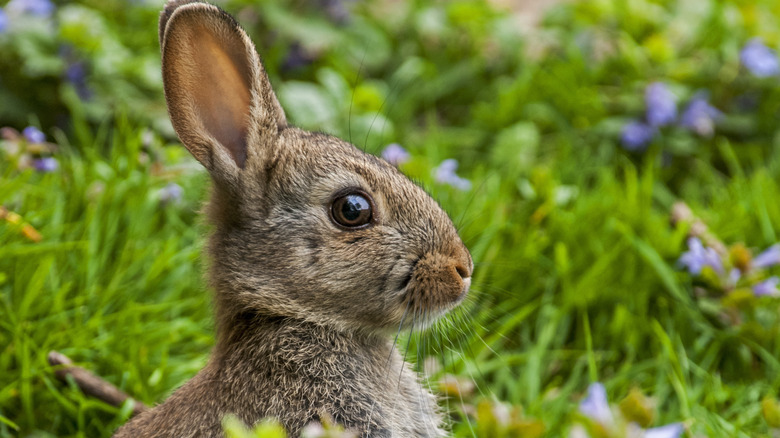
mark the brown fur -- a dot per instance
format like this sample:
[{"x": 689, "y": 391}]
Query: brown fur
[{"x": 305, "y": 309}]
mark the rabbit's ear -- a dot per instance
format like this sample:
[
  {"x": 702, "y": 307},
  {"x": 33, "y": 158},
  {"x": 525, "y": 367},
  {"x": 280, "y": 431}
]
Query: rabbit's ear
[{"x": 217, "y": 90}]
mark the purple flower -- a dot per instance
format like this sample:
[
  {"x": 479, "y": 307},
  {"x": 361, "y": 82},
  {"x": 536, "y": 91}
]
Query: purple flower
[
  {"x": 46, "y": 165},
  {"x": 759, "y": 59},
  {"x": 767, "y": 287},
  {"x": 337, "y": 11},
  {"x": 33, "y": 135},
  {"x": 734, "y": 276},
  {"x": 445, "y": 174},
  {"x": 76, "y": 74},
  {"x": 595, "y": 405},
  {"x": 660, "y": 104},
  {"x": 636, "y": 135},
  {"x": 170, "y": 193},
  {"x": 698, "y": 256},
  {"x": 39, "y": 8},
  {"x": 395, "y": 154},
  {"x": 673, "y": 430},
  {"x": 699, "y": 116},
  {"x": 297, "y": 58},
  {"x": 3, "y": 21},
  {"x": 768, "y": 258}
]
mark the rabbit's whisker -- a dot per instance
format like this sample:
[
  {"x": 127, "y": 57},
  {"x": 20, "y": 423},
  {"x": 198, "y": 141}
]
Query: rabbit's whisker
[
  {"x": 398, "y": 333},
  {"x": 379, "y": 111},
  {"x": 352, "y": 97},
  {"x": 474, "y": 363},
  {"x": 464, "y": 414},
  {"x": 406, "y": 349},
  {"x": 447, "y": 352},
  {"x": 424, "y": 401},
  {"x": 472, "y": 196}
]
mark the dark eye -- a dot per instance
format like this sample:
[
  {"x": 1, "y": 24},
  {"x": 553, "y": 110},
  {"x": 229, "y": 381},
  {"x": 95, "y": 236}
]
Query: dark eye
[{"x": 352, "y": 210}]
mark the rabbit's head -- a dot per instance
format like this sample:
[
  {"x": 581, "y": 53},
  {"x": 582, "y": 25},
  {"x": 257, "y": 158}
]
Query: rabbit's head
[{"x": 306, "y": 225}]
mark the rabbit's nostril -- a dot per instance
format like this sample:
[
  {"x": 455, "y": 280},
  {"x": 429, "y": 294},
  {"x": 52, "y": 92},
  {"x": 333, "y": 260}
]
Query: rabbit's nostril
[{"x": 462, "y": 271}]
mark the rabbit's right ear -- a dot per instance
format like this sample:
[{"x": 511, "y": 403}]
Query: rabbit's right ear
[{"x": 219, "y": 97}]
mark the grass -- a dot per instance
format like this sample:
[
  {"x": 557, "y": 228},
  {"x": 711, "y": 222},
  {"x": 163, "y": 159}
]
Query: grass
[
  {"x": 577, "y": 278},
  {"x": 93, "y": 273},
  {"x": 589, "y": 292}
]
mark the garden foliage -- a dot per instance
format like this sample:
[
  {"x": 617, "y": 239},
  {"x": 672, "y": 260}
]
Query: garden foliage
[{"x": 561, "y": 152}]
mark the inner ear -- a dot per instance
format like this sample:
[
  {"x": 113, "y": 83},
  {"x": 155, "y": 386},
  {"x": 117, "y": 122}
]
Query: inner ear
[
  {"x": 217, "y": 91},
  {"x": 220, "y": 89}
]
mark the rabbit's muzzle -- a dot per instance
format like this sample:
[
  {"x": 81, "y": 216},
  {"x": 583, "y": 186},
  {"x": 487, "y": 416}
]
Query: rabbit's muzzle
[{"x": 439, "y": 282}]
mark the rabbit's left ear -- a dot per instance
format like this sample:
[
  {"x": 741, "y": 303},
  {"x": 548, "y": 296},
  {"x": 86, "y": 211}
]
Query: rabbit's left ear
[{"x": 219, "y": 97}]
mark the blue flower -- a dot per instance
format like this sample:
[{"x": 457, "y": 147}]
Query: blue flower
[
  {"x": 636, "y": 135},
  {"x": 697, "y": 257},
  {"x": 699, "y": 116},
  {"x": 170, "y": 193},
  {"x": 75, "y": 72},
  {"x": 445, "y": 174},
  {"x": 767, "y": 287},
  {"x": 595, "y": 405},
  {"x": 395, "y": 154},
  {"x": 297, "y": 58},
  {"x": 39, "y": 8},
  {"x": 673, "y": 430},
  {"x": 77, "y": 76},
  {"x": 768, "y": 258},
  {"x": 3, "y": 21},
  {"x": 759, "y": 59},
  {"x": 661, "y": 107},
  {"x": 33, "y": 135},
  {"x": 337, "y": 11},
  {"x": 46, "y": 165},
  {"x": 734, "y": 276}
]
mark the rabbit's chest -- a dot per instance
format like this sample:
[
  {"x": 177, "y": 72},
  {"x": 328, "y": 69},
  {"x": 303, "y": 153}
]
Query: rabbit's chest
[{"x": 374, "y": 398}]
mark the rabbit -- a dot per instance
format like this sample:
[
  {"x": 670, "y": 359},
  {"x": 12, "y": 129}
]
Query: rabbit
[{"x": 318, "y": 254}]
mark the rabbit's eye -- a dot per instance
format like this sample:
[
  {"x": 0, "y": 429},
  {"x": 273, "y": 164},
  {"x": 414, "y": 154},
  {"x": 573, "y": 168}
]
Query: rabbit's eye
[{"x": 352, "y": 210}]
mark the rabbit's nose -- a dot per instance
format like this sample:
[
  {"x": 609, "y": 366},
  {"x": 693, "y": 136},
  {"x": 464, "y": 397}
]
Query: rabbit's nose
[
  {"x": 460, "y": 266},
  {"x": 462, "y": 263},
  {"x": 443, "y": 278},
  {"x": 462, "y": 271},
  {"x": 458, "y": 274},
  {"x": 463, "y": 274}
]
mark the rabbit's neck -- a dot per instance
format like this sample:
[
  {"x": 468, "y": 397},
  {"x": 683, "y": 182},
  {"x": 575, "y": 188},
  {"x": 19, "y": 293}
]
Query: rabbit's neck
[
  {"x": 298, "y": 371},
  {"x": 244, "y": 335}
]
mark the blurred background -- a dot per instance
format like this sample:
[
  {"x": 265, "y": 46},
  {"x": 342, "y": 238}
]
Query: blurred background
[{"x": 613, "y": 166}]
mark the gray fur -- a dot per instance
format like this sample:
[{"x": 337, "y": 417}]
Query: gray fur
[{"x": 306, "y": 311}]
